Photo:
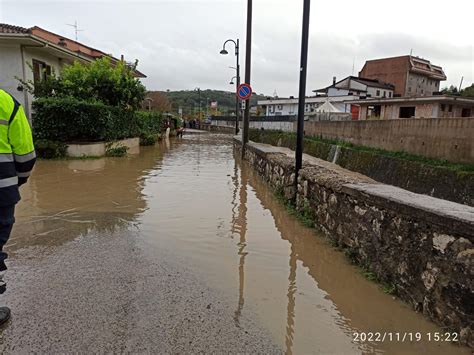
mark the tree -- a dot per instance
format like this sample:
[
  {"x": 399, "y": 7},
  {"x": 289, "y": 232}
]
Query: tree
[
  {"x": 113, "y": 84},
  {"x": 451, "y": 90},
  {"x": 468, "y": 92},
  {"x": 157, "y": 101}
]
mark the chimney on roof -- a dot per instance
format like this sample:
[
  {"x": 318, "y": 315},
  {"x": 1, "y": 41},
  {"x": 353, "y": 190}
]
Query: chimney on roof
[
  {"x": 333, "y": 80},
  {"x": 62, "y": 42}
]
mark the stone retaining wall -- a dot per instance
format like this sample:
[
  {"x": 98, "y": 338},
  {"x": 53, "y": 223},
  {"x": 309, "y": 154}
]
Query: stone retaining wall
[{"x": 420, "y": 245}]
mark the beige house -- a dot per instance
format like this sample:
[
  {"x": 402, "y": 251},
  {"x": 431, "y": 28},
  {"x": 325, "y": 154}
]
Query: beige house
[
  {"x": 411, "y": 76},
  {"x": 31, "y": 54},
  {"x": 442, "y": 106}
]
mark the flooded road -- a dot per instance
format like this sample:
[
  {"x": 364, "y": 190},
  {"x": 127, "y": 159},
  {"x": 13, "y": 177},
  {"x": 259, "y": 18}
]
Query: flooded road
[{"x": 182, "y": 248}]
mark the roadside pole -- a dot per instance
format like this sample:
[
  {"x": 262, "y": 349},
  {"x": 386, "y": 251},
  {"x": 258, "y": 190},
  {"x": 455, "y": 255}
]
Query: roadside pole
[
  {"x": 237, "y": 102},
  {"x": 248, "y": 58},
  {"x": 302, "y": 91}
]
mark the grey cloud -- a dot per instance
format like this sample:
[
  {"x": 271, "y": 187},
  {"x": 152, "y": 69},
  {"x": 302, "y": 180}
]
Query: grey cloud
[{"x": 178, "y": 42}]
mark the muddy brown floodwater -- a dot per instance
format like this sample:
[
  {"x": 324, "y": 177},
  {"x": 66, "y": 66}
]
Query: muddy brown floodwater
[{"x": 183, "y": 249}]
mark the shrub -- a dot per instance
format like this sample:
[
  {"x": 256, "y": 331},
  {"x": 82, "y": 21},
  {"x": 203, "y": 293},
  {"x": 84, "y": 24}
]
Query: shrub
[
  {"x": 149, "y": 122},
  {"x": 68, "y": 119},
  {"x": 47, "y": 149},
  {"x": 148, "y": 139},
  {"x": 111, "y": 84},
  {"x": 113, "y": 149}
]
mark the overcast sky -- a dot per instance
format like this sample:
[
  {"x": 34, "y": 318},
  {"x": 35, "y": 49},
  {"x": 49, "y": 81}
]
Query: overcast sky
[{"x": 177, "y": 42}]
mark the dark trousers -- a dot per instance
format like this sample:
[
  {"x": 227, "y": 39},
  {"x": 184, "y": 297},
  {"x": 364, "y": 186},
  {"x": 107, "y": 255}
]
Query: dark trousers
[{"x": 7, "y": 219}]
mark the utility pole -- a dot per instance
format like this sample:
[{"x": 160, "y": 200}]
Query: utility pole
[
  {"x": 199, "y": 95},
  {"x": 237, "y": 84},
  {"x": 460, "y": 84},
  {"x": 199, "y": 91},
  {"x": 248, "y": 59},
  {"x": 302, "y": 91}
]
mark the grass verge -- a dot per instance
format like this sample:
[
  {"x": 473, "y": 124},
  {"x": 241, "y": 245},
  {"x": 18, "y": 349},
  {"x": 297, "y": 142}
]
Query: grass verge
[{"x": 288, "y": 140}]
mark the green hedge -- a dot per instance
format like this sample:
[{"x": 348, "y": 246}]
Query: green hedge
[
  {"x": 70, "y": 120},
  {"x": 50, "y": 150},
  {"x": 149, "y": 122}
]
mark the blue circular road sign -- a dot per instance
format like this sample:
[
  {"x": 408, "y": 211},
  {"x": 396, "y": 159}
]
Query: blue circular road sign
[{"x": 244, "y": 91}]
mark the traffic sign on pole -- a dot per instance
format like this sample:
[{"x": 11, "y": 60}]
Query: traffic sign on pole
[{"x": 244, "y": 91}]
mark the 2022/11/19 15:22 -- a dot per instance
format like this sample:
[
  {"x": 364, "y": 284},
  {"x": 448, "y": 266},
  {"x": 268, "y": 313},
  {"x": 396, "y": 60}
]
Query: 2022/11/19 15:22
[{"x": 404, "y": 336}]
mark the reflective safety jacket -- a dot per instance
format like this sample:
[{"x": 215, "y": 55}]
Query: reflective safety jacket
[{"x": 17, "y": 153}]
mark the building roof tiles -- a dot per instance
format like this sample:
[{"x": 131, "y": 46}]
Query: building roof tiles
[
  {"x": 68, "y": 44},
  {"x": 6, "y": 28}
]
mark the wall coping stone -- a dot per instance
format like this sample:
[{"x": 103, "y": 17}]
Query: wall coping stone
[{"x": 437, "y": 211}]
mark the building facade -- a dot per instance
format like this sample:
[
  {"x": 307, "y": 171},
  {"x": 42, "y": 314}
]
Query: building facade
[
  {"x": 289, "y": 107},
  {"x": 357, "y": 87},
  {"x": 31, "y": 54},
  {"x": 411, "y": 76},
  {"x": 442, "y": 106},
  {"x": 337, "y": 95}
]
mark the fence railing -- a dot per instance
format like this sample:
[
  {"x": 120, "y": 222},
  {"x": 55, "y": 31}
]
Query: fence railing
[{"x": 281, "y": 118}]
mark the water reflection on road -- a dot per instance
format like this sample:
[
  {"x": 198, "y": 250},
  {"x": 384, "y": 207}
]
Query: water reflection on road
[{"x": 191, "y": 200}]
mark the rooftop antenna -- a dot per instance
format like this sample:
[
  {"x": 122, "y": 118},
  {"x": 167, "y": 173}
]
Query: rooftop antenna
[
  {"x": 76, "y": 28},
  {"x": 275, "y": 95},
  {"x": 460, "y": 85},
  {"x": 353, "y": 65}
]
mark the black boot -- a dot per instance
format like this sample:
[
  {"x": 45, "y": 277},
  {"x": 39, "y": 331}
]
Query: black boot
[{"x": 4, "y": 314}]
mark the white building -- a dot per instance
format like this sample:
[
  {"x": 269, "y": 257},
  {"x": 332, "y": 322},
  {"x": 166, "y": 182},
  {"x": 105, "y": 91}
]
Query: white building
[
  {"x": 289, "y": 107},
  {"x": 338, "y": 95},
  {"x": 31, "y": 54},
  {"x": 358, "y": 87}
]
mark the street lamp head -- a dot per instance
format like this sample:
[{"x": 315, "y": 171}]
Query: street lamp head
[
  {"x": 224, "y": 51},
  {"x": 231, "y": 82}
]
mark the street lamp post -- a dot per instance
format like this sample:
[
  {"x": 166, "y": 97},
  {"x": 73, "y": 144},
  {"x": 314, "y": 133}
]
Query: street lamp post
[
  {"x": 237, "y": 107},
  {"x": 237, "y": 83},
  {"x": 302, "y": 91},
  {"x": 199, "y": 92}
]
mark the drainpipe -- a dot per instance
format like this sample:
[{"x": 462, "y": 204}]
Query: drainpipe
[{"x": 25, "y": 92}]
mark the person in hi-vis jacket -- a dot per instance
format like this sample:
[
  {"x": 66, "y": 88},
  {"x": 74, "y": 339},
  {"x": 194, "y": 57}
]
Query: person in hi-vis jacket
[{"x": 17, "y": 158}]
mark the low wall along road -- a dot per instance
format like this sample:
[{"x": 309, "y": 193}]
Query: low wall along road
[
  {"x": 420, "y": 247},
  {"x": 438, "y": 181},
  {"x": 98, "y": 149}
]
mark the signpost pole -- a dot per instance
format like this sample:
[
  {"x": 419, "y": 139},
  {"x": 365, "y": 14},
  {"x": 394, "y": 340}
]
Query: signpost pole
[
  {"x": 248, "y": 57},
  {"x": 237, "y": 103}
]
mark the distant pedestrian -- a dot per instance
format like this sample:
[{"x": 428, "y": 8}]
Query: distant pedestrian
[{"x": 17, "y": 158}]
